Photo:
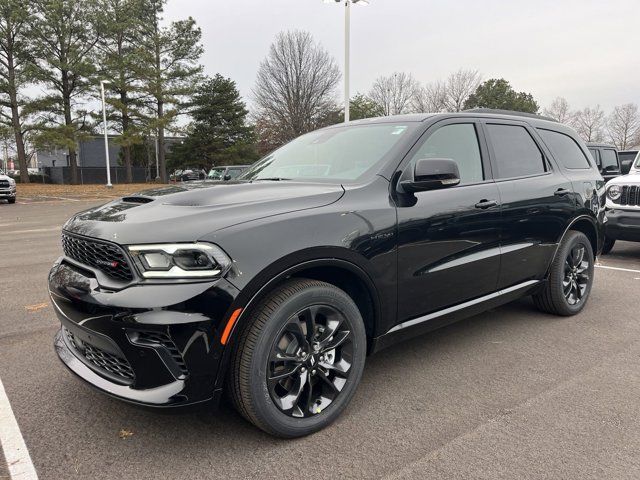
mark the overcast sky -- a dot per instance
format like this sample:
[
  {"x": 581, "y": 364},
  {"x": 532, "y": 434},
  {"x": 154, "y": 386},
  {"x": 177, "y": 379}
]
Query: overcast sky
[{"x": 587, "y": 51}]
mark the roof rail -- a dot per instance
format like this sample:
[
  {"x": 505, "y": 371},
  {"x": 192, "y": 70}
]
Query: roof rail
[{"x": 509, "y": 112}]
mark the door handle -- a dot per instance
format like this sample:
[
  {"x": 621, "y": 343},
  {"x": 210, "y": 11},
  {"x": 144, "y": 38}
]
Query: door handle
[
  {"x": 561, "y": 192},
  {"x": 484, "y": 204}
]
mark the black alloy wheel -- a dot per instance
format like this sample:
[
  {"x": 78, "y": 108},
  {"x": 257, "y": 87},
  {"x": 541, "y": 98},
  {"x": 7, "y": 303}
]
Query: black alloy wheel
[
  {"x": 310, "y": 361},
  {"x": 570, "y": 278},
  {"x": 576, "y": 275},
  {"x": 298, "y": 359}
]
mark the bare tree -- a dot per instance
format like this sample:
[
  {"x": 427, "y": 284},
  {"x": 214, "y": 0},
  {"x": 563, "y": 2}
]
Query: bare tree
[
  {"x": 589, "y": 123},
  {"x": 624, "y": 126},
  {"x": 459, "y": 86},
  {"x": 295, "y": 87},
  {"x": 395, "y": 93},
  {"x": 431, "y": 98},
  {"x": 559, "y": 110}
]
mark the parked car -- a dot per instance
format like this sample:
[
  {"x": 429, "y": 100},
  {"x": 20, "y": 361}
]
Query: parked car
[
  {"x": 627, "y": 160},
  {"x": 7, "y": 188},
  {"x": 277, "y": 287},
  {"x": 606, "y": 157},
  {"x": 622, "y": 210},
  {"x": 230, "y": 172},
  {"x": 188, "y": 175}
]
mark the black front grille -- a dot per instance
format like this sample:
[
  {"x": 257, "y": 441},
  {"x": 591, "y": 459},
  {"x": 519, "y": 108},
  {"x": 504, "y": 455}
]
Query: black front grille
[
  {"x": 4, "y": 183},
  {"x": 104, "y": 361},
  {"x": 630, "y": 195},
  {"x": 106, "y": 257},
  {"x": 164, "y": 340}
]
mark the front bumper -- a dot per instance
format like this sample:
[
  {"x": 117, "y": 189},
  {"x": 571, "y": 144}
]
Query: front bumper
[
  {"x": 8, "y": 192},
  {"x": 156, "y": 345},
  {"x": 623, "y": 225}
]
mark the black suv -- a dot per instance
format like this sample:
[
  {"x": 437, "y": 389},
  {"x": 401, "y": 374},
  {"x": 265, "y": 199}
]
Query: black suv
[
  {"x": 277, "y": 285},
  {"x": 606, "y": 158}
]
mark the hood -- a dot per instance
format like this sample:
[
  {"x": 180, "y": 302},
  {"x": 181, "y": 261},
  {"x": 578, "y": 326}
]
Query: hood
[
  {"x": 187, "y": 212},
  {"x": 632, "y": 178}
]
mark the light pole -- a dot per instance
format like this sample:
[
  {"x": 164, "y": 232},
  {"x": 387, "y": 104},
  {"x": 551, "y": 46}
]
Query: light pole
[
  {"x": 347, "y": 48},
  {"x": 106, "y": 138}
]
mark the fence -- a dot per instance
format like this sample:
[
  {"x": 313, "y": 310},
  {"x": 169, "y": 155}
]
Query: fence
[{"x": 98, "y": 175}]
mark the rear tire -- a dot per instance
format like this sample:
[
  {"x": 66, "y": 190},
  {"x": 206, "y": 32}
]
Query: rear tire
[
  {"x": 299, "y": 359},
  {"x": 608, "y": 245},
  {"x": 570, "y": 277}
]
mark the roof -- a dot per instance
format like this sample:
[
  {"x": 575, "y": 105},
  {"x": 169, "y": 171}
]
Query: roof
[
  {"x": 479, "y": 112},
  {"x": 601, "y": 145}
]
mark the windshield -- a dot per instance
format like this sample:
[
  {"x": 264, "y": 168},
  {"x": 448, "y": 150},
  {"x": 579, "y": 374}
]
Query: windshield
[
  {"x": 216, "y": 173},
  {"x": 636, "y": 162},
  {"x": 337, "y": 154}
]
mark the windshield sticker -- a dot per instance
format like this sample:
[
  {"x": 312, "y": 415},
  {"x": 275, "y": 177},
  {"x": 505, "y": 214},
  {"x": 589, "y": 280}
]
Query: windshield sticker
[{"x": 399, "y": 130}]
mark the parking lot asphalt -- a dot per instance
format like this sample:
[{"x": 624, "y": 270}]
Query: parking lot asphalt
[{"x": 511, "y": 393}]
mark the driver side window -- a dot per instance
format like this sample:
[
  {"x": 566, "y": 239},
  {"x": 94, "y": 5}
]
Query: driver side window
[{"x": 458, "y": 142}]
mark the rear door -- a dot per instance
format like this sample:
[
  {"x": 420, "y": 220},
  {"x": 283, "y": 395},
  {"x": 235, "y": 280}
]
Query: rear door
[
  {"x": 448, "y": 250},
  {"x": 537, "y": 200}
]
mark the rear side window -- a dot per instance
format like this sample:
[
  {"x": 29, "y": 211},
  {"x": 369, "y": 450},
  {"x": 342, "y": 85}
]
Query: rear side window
[
  {"x": 609, "y": 159},
  {"x": 565, "y": 149},
  {"x": 234, "y": 172},
  {"x": 516, "y": 153},
  {"x": 459, "y": 142}
]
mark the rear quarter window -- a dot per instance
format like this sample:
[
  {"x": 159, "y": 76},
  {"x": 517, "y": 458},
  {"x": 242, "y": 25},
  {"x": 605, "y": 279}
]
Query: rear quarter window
[{"x": 565, "y": 149}]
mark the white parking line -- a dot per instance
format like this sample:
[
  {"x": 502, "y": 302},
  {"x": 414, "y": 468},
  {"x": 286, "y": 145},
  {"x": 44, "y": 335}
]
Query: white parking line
[
  {"x": 618, "y": 268},
  {"x": 13, "y": 446}
]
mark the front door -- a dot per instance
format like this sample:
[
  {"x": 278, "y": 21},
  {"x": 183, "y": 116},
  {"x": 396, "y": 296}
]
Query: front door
[{"x": 449, "y": 239}]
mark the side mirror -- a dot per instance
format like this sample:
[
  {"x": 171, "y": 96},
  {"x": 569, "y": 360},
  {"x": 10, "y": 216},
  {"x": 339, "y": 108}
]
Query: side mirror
[
  {"x": 431, "y": 174},
  {"x": 227, "y": 177}
]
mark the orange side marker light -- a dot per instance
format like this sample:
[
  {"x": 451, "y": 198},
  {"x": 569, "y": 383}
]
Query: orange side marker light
[{"x": 230, "y": 323}]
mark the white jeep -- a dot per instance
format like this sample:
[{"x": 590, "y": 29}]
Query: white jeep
[{"x": 623, "y": 208}]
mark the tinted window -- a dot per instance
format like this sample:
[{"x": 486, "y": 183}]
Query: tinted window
[
  {"x": 234, "y": 172},
  {"x": 596, "y": 155},
  {"x": 517, "y": 155},
  {"x": 564, "y": 149},
  {"x": 459, "y": 143},
  {"x": 609, "y": 159}
]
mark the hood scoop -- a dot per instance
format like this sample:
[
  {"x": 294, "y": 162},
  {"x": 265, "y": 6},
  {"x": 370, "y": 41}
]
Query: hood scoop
[{"x": 138, "y": 199}]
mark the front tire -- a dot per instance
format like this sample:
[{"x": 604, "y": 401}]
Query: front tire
[
  {"x": 570, "y": 277},
  {"x": 299, "y": 360},
  {"x": 11, "y": 200}
]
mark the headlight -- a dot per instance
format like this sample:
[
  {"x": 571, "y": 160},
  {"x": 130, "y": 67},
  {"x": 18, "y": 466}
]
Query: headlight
[
  {"x": 614, "y": 192},
  {"x": 12, "y": 181},
  {"x": 180, "y": 260}
]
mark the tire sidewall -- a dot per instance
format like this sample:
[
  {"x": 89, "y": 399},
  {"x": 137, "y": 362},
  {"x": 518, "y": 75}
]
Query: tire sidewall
[
  {"x": 575, "y": 238},
  {"x": 265, "y": 408}
]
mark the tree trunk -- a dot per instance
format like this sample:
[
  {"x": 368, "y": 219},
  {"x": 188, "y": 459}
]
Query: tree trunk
[
  {"x": 15, "y": 115},
  {"x": 126, "y": 154},
  {"x": 161, "y": 157},
  {"x": 68, "y": 121}
]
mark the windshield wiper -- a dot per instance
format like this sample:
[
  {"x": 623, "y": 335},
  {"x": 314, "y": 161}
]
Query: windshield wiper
[{"x": 271, "y": 179}]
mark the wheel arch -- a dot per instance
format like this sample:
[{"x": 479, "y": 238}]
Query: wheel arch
[
  {"x": 585, "y": 224},
  {"x": 343, "y": 273}
]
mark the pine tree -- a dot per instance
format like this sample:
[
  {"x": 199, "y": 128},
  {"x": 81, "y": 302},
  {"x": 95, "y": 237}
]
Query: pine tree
[
  {"x": 120, "y": 25},
  {"x": 16, "y": 72},
  {"x": 219, "y": 133},
  {"x": 169, "y": 68},
  {"x": 64, "y": 37}
]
